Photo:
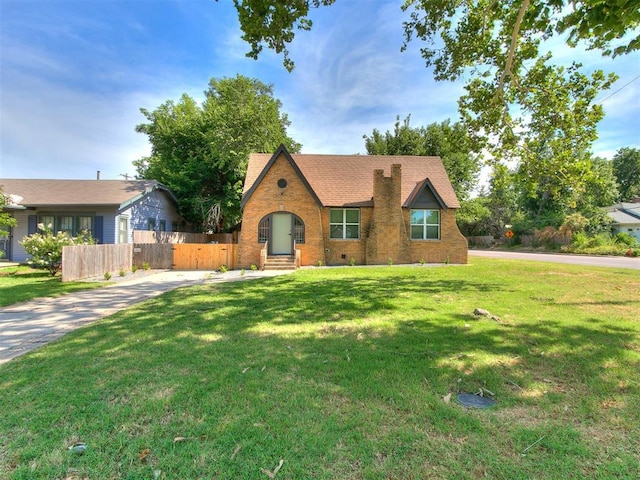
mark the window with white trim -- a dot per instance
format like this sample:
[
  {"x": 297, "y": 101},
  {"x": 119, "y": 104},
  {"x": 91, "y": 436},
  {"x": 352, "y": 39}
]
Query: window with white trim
[
  {"x": 123, "y": 229},
  {"x": 344, "y": 223},
  {"x": 425, "y": 224}
]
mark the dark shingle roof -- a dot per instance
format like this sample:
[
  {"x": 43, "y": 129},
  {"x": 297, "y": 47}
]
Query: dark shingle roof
[
  {"x": 41, "y": 192},
  {"x": 339, "y": 180}
]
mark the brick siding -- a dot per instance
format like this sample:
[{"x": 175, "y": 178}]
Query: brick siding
[{"x": 384, "y": 229}]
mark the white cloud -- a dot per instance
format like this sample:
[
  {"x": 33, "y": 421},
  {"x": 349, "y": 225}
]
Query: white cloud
[{"x": 349, "y": 81}]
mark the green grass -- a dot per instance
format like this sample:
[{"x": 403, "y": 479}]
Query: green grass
[
  {"x": 21, "y": 284},
  {"x": 342, "y": 373}
]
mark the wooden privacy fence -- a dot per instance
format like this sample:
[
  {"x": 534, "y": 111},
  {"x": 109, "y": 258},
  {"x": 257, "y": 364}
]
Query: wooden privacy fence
[
  {"x": 144, "y": 236},
  {"x": 157, "y": 255},
  {"x": 186, "y": 256},
  {"x": 83, "y": 261}
]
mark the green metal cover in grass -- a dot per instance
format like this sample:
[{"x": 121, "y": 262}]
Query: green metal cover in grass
[{"x": 475, "y": 401}]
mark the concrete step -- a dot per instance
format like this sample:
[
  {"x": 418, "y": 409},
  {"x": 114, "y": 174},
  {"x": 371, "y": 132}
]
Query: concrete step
[{"x": 280, "y": 262}]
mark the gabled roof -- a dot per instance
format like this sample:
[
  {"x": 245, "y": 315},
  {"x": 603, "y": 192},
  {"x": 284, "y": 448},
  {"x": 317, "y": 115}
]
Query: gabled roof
[
  {"x": 624, "y": 213},
  {"x": 42, "y": 192},
  {"x": 246, "y": 194},
  {"x": 347, "y": 180},
  {"x": 420, "y": 189}
]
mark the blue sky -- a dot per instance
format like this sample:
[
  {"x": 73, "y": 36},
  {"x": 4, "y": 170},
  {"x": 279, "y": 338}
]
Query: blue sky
[{"x": 74, "y": 74}]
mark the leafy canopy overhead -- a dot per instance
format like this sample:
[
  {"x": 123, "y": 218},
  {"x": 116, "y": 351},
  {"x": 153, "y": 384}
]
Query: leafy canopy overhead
[
  {"x": 445, "y": 140},
  {"x": 493, "y": 32},
  {"x": 201, "y": 152},
  {"x": 273, "y": 22}
]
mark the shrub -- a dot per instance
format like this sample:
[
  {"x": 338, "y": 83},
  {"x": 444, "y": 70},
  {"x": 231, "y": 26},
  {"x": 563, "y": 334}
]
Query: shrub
[
  {"x": 580, "y": 240},
  {"x": 224, "y": 269},
  {"x": 107, "y": 275},
  {"x": 602, "y": 240},
  {"x": 45, "y": 248},
  {"x": 623, "y": 238},
  {"x": 146, "y": 266}
]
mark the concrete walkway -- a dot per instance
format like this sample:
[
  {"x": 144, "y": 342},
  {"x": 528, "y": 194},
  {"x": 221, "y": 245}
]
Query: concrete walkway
[{"x": 27, "y": 326}]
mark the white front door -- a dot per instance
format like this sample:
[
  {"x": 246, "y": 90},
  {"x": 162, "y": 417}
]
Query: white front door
[{"x": 281, "y": 238}]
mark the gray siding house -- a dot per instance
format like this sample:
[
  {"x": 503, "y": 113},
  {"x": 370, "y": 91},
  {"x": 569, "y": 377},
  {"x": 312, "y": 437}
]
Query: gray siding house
[
  {"x": 626, "y": 217},
  {"x": 109, "y": 209}
]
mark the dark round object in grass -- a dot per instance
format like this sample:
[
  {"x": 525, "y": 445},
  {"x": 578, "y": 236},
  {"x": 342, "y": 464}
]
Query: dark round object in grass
[{"x": 475, "y": 401}]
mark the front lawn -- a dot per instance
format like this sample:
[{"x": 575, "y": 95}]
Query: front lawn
[
  {"x": 20, "y": 284},
  {"x": 343, "y": 373}
]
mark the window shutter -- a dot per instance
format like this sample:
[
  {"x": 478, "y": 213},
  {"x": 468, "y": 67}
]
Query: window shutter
[
  {"x": 32, "y": 224},
  {"x": 98, "y": 226}
]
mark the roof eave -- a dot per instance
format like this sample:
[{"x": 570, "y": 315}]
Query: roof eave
[
  {"x": 156, "y": 186},
  {"x": 419, "y": 188},
  {"x": 282, "y": 150}
]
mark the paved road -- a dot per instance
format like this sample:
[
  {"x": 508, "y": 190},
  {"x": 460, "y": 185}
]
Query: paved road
[
  {"x": 590, "y": 260},
  {"x": 26, "y": 326}
]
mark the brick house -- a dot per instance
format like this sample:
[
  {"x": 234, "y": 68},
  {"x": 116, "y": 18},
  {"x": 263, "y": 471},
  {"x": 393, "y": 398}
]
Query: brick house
[{"x": 342, "y": 209}]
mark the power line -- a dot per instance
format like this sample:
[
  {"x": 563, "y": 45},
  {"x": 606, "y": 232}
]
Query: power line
[{"x": 621, "y": 88}]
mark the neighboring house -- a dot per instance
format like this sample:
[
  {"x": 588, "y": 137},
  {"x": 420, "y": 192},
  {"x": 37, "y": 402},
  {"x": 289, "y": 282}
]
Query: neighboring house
[
  {"x": 342, "y": 209},
  {"x": 109, "y": 209},
  {"x": 626, "y": 217}
]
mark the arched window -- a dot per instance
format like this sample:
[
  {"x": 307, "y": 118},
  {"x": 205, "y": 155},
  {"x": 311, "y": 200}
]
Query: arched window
[
  {"x": 298, "y": 229},
  {"x": 264, "y": 228}
]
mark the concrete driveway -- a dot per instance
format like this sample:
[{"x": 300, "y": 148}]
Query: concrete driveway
[
  {"x": 590, "y": 260},
  {"x": 26, "y": 326}
]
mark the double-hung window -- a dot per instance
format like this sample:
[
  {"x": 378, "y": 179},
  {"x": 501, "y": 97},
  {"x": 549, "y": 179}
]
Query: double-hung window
[
  {"x": 84, "y": 224},
  {"x": 72, "y": 225},
  {"x": 344, "y": 223},
  {"x": 425, "y": 224}
]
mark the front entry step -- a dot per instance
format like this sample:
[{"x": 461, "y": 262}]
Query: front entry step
[{"x": 280, "y": 262}]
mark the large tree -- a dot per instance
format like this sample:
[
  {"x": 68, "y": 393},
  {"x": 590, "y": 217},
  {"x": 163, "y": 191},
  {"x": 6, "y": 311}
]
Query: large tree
[
  {"x": 555, "y": 137},
  {"x": 495, "y": 33},
  {"x": 200, "y": 151},
  {"x": 446, "y": 140},
  {"x": 519, "y": 106},
  {"x": 626, "y": 168}
]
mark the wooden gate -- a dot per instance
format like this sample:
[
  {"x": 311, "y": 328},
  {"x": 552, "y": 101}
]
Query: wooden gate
[{"x": 203, "y": 256}]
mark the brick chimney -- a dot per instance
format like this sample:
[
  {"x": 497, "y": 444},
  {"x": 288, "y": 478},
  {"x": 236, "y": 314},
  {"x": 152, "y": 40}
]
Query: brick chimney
[{"x": 387, "y": 237}]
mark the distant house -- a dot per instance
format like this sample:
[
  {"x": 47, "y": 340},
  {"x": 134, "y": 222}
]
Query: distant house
[
  {"x": 343, "y": 209},
  {"x": 626, "y": 217},
  {"x": 109, "y": 209}
]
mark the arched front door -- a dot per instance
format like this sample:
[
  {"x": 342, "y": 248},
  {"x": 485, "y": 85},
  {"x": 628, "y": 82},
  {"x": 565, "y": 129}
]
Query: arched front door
[
  {"x": 282, "y": 230},
  {"x": 281, "y": 234}
]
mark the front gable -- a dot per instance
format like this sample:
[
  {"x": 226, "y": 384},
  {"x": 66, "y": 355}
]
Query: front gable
[
  {"x": 424, "y": 195},
  {"x": 289, "y": 202},
  {"x": 280, "y": 154}
]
